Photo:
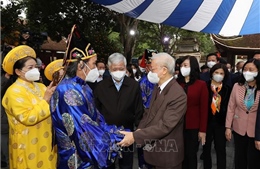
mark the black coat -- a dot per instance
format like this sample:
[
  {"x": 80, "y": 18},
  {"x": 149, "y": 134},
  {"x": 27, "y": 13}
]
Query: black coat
[
  {"x": 5, "y": 83},
  {"x": 123, "y": 107},
  {"x": 220, "y": 117}
]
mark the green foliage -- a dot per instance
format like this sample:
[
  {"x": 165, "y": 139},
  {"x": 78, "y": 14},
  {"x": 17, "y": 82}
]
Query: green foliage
[
  {"x": 103, "y": 46},
  {"x": 152, "y": 36},
  {"x": 57, "y": 17},
  {"x": 106, "y": 30},
  {"x": 11, "y": 23}
]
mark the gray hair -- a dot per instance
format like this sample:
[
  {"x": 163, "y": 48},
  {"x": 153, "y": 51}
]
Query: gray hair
[
  {"x": 116, "y": 58},
  {"x": 165, "y": 60}
]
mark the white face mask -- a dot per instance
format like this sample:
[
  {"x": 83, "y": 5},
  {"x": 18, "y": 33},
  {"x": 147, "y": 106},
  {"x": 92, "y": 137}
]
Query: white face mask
[
  {"x": 218, "y": 78},
  {"x": 240, "y": 70},
  {"x": 118, "y": 75},
  {"x": 185, "y": 71},
  {"x": 101, "y": 72},
  {"x": 134, "y": 71},
  {"x": 175, "y": 76},
  {"x": 229, "y": 70},
  {"x": 142, "y": 69},
  {"x": 153, "y": 77},
  {"x": 92, "y": 75},
  {"x": 210, "y": 64},
  {"x": 32, "y": 75},
  {"x": 250, "y": 76}
]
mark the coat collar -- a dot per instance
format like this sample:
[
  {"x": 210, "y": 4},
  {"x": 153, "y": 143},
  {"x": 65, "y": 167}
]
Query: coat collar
[{"x": 242, "y": 91}]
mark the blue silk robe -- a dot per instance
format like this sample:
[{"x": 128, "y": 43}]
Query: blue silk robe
[
  {"x": 84, "y": 139},
  {"x": 146, "y": 89}
]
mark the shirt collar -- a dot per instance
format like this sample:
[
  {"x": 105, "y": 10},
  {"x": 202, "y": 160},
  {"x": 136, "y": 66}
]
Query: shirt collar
[
  {"x": 165, "y": 83},
  {"x": 118, "y": 84}
]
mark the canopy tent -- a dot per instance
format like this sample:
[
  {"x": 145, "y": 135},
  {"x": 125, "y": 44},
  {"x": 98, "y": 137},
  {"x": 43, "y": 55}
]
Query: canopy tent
[{"x": 224, "y": 17}]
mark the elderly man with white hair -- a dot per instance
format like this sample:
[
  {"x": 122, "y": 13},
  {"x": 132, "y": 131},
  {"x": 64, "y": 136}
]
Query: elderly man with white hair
[
  {"x": 161, "y": 128},
  {"x": 119, "y": 99}
]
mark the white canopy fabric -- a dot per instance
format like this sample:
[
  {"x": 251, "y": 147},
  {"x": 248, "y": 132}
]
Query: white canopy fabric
[{"x": 224, "y": 17}]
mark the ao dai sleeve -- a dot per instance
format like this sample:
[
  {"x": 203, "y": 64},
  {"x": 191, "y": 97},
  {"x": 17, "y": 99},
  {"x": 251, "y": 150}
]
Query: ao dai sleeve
[{"x": 26, "y": 108}]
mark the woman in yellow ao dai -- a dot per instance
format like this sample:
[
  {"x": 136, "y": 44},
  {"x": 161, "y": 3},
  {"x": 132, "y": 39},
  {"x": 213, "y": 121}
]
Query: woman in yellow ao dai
[{"x": 30, "y": 125}]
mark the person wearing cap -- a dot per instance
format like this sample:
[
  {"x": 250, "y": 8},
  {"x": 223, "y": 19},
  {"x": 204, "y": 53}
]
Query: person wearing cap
[
  {"x": 83, "y": 138},
  {"x": 26, "y": 104}
]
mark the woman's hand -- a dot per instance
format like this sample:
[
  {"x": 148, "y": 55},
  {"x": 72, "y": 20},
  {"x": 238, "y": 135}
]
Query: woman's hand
[
  {"x": 49, "y": 92},
  {"x": 257, "y": 145},
  {"x": 202, "y": 137},
  {"x": 228, "y": 134}
]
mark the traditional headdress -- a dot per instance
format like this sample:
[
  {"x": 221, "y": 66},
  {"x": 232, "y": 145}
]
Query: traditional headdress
[
  {"x": 16, "y": 54},
  {"x": 53, "y": 67},
  {"x": 77, "y": 46}
]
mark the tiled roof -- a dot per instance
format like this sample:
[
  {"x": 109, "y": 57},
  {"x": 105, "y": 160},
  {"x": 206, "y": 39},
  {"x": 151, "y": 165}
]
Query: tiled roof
[
  {"x": 53, "y": 45},
  {"x": 242, "y": 42}
]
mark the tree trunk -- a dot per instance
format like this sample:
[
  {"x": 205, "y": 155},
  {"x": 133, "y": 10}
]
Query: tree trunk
[{"x": 128, "y": 41}]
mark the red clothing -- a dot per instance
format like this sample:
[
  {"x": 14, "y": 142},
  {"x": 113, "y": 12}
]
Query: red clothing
[{"x": 197, "y": 105}]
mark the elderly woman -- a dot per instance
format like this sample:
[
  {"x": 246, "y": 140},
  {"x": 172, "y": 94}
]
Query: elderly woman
[{"x": 27, "y": 106}]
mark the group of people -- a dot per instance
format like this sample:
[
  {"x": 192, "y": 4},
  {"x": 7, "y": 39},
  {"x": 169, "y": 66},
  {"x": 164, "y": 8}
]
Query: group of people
[{"x": 90, "y": 116}]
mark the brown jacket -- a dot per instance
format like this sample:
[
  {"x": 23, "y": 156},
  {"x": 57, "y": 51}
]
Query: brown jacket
[{"x": 161, "y": 127}]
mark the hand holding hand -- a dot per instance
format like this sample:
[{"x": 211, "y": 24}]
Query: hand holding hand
[
  {"x": 127, "y": 140},
  {"x": 202, "y": 138},
  {"x": 49, "y": 92}
]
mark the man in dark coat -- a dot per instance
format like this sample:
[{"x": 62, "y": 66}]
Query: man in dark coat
[
  {"x": 119, "y": 99},
  {"x": 161, "y": 128}
]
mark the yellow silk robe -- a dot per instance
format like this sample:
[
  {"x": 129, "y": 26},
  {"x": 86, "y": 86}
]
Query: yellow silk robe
[{"x": 30, "y": 127}]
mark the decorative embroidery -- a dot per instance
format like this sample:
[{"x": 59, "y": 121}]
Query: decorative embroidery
[
  {"x": 87, "y": 141},
  {"x": 36, "y": 91},
  {"x": 68, "y": 123},
  {"x": 74, "y": 161},
  {"x": 86, "y": 119},
  {"x": 54, "y": 101},
  {"x": 73, "y": 98},
  {"x": 64, "y": 139}
]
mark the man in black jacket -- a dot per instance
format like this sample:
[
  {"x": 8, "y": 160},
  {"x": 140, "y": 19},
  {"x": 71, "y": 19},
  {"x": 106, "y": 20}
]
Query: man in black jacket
[{"x": 119, "y": 99}]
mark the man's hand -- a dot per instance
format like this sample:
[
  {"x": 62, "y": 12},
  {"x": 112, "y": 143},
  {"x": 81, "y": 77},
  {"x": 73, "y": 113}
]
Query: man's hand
[{"x": 128, "y": 139}]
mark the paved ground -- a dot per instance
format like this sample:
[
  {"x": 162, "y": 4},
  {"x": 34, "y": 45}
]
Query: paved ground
[{"x": 230, "y": 157}]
